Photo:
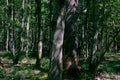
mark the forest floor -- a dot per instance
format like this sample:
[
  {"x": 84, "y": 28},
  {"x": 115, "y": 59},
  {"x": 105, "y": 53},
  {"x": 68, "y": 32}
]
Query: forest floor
[
  {"x": 25, "y": 70},
  {"x": 108, "y": 70},
  {"x": 110, "y": 67}
]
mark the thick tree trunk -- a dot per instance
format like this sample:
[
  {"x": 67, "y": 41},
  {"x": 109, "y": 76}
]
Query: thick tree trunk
[
  {"x": 56, "y": 68},
  {"x": 71, "y": 61}
]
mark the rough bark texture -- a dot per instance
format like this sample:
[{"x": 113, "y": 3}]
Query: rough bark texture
[
  {"x": 71, "y": 60},
  {"x": 56, "y": 60}
]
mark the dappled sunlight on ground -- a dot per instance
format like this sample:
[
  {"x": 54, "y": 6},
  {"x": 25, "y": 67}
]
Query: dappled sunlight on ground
[
  {"x": 24, "y": 70},
  {"x": 110, "y": 68}
]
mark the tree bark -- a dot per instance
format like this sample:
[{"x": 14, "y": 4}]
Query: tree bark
[
  {"x": 7, "y": 39},
  {"x": 28, "y": 26},
  {"x": 22, "y": 23},
  {"x": 11, "y": 28},
  {"x": 71, "y": 60},
  {"x": 56, "y": 67},
  {"x": 40, "y": 34},
  {"x": 94, "y": 46}
]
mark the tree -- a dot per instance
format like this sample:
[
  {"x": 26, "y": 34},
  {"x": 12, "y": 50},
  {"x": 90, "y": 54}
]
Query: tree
[
  {"x": 20, "y": 33},
  {"x": 28, "y": 26},
  {"x": 11, "y": 27},
  {"x": 22, "y": 23},
  {"x": 71, "y": 59},
  {"x": 56, "y": 67},
  {"x": 39, "y": 42}
]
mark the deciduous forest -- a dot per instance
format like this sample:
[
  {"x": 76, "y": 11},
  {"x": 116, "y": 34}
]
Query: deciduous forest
[{"x": 59, "y": 39}]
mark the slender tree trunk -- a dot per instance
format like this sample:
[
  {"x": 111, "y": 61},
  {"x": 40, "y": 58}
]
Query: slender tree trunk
[
  {"x": 22, "y": 23},
  {"x": 20, "y": 43},
  {"x": 4, "y": 34},
  {"x": 87, "y": 29},
  {"x": 51, "y": 27},
  {"x": 7, "y": 39},
  {"x": 35, "y": 41},
  {"x": 32, "y": 35},
  {"x": 93, "y": 59},
  {"x": 114, "y": 38},
  {"x": 27, "y": 27},
  {"x": 11, "y": 28},
  {"x": 40, "y": 35}
]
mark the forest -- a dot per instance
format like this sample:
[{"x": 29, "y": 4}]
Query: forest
[{"x": 59, "y": 39}]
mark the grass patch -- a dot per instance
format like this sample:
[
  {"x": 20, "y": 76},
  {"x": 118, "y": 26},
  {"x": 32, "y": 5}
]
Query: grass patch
[
  {"x": 24, "y": 70},
  {"x": 110, "y": 68}
]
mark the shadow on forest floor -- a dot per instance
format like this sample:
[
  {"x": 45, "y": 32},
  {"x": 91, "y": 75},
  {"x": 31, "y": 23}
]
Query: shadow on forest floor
[
  {"x": 110, "y": 68},
  {"x": 25, "y": 70}
]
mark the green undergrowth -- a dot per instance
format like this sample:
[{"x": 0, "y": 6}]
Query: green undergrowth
[
  {"x": 111, "y": 63},
  {"x": 25, "y": 70},
  {"x": 110, "y": 67}
]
